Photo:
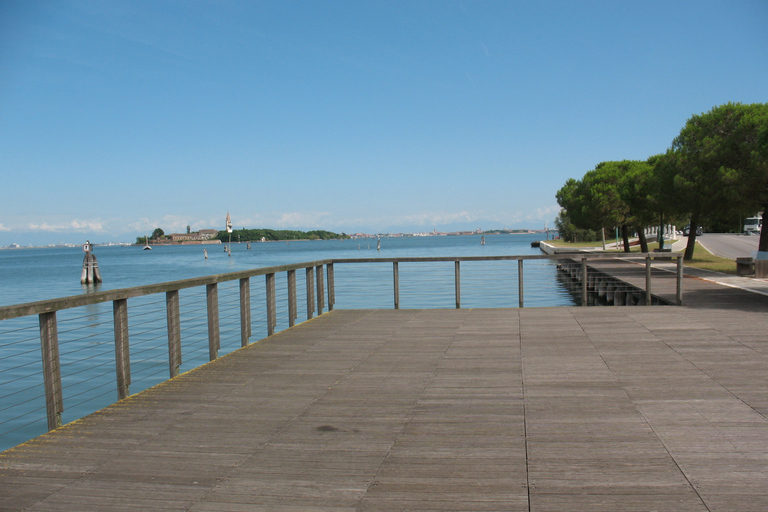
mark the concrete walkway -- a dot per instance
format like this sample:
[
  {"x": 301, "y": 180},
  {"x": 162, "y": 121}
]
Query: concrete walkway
[{"x": 548, "y": 409}]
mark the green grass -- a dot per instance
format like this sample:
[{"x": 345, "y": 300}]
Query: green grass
[
  {"x": 701, "y": 257},
  {"x": 704, "y": 259}
]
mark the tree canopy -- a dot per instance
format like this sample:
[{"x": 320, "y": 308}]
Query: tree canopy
[
  {"x": 279, "y": 234},
  {"x": 716, "y": 167}
]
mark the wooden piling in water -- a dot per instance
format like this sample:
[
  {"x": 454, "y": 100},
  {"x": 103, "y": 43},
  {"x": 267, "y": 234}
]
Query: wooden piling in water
[{"x": 90, "y": 273}]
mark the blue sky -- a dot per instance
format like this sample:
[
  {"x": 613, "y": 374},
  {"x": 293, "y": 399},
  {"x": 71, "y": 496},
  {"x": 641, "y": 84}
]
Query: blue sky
[{"x": 118, "y": 117}]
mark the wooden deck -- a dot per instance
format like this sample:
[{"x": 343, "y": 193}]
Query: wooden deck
[{"x": 548, "y": 409}]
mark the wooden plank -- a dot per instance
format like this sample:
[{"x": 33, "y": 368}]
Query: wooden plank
[{"x": 539, "y": 409}]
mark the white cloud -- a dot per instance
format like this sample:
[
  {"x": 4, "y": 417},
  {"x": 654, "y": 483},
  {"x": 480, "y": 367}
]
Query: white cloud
[
  {"x": 75, "y": 225},
  {"x": 3, "y": 228}
]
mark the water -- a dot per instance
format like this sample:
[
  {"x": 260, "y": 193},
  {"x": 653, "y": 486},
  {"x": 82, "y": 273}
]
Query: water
[
  {"x": 86, "y": 340},
  {"x": 28, "y": 275}
]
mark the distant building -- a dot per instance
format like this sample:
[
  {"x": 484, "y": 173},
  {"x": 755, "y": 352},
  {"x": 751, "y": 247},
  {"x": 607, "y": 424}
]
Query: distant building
[
  {"x": 196, "y": 236},
  {"x": 207, "y": 234}
]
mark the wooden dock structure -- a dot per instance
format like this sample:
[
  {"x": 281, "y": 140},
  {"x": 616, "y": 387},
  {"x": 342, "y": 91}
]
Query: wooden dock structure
[{"x": 541, "y": 409}]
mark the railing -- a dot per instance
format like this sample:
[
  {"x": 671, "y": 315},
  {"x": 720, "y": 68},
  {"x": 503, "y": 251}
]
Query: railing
[{"x": 180, "y": 322}]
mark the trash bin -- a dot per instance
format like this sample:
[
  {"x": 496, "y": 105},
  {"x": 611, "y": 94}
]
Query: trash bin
[{"x": 745, "y": 266}]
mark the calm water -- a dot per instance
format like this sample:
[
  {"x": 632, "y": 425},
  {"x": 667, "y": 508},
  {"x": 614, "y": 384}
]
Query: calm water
[
  {"x": 28, "y": 275},
  {"x": 86, "y": 339}
]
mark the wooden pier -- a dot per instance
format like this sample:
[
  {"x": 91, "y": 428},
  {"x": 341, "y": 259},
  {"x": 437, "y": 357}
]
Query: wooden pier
[{"x": 543, "y": 409}]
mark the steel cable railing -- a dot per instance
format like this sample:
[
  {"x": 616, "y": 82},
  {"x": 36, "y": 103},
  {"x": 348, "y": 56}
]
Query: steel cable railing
[{"x": 94, "y": 353}]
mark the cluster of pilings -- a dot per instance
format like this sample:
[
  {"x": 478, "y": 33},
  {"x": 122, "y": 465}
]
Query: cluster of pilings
[
  {"x": 602, "y": 289},
  {"x": 90, "y": 273}
]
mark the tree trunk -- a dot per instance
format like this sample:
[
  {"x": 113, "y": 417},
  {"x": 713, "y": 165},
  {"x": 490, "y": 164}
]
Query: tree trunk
[
  {"x": 625, "y": 236},
  {"x": 691, "y": 237},
  {"x": 602, "y": 230},
  {"x": 763, "y": 244},
  {"x": 643, "y": 240}
]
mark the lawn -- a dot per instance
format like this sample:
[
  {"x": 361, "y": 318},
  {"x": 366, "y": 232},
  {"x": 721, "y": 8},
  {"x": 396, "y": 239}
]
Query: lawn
[{"x": 701, "y": 257}]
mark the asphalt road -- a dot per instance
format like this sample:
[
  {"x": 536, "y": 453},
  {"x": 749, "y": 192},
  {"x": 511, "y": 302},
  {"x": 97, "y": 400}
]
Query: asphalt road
[{"x": 729, "y": 246}]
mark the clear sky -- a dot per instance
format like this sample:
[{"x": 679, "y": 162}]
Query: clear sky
[{"x": 117, "y": 117}]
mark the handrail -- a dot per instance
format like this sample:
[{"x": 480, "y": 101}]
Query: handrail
[
  {"x": 320, "y": 294},
  {"x": 47, "y": 306},
  {"x": 74, "y": 301}
]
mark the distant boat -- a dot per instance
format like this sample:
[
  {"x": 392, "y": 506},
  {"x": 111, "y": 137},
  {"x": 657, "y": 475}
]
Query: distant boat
[
  {"x": 482, "y": 240},
  {"x": 146, "y": 242}
]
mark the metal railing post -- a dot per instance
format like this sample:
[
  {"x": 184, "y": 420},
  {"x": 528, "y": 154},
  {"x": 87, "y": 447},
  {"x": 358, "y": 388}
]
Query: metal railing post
[
  {"x": 584, "y": 282},
  {"x": 396, "y": 284},
  {"x": 292, "y": 305},
  {"x": 173, "y": 320},
  {"x": 320, "y": 289},
  {"x": 679, "y": 295},
  {"x": 122, "y": 355},
  {"x": 457, "y": 279},
  {"x": 49, "y": 345},
  {"x": 331, "y": 286},
  {"x": 212, "y": 301},
  {"x": 271, "y": 304},
  {"x": 245, "y": 311},
  {"x": 520, "y": 281},
  {"x": 310, "y": 292},
  {"x": 648, "y": 297}
]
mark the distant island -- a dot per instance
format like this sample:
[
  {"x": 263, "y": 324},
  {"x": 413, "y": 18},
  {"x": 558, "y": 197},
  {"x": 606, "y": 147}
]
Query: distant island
[{"x": 212, "y": 236}]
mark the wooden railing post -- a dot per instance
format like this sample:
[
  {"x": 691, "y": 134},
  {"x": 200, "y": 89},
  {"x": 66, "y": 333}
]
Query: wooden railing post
[
  {"x": 214, "y": 340},
  {"x": 396, "y": 277},
  {"x": 245, "y": 311},
  {"x": 271, "y": 305},
  {"x": 310, "y": 292},
  {"x": 122, "y": 354},
  {"x": 457, "y": 282},
  {"x": 49, "y": 345},
  {"x": 648, "y": 297},
  {"x": 331, "y": 286},
  {"x": 173, "y": 319},
  {"x": 679, "y": 295},
  {"x": 292, "y": 305},
  {"x": 584, "y": 282},
  {"x": 520, "y": 281},
  {"x": 320, "y": 289}
]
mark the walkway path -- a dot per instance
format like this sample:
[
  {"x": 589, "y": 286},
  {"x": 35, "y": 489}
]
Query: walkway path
[{"x": 547, "y": 409}]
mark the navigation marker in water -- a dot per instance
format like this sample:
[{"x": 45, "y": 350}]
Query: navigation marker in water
[{"x": 91, "y": 273}]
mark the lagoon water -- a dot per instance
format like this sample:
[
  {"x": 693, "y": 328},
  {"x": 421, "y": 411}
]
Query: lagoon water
[
  {"x": 86, "y": 339},
  {"x": 28, "y": 275}
]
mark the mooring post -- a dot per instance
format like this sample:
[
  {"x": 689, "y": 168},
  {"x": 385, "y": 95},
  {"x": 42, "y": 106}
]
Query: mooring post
[
  {"x": 584, "y": 283},
  {"x": 49, "y": 345},
  {"x": 90, "y": 273},
  {"x": 648, "y": 298},
  {"x": 122, "y": 356},
  {"x": 520, "y": 281}
]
